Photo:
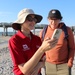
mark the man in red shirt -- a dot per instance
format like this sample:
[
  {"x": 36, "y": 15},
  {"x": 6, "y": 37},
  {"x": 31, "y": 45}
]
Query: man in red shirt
[{"x": 25, "y": 47}]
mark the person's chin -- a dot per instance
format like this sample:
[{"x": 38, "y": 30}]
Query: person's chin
[
  {"x": 53, "y": 28},
  {"x": 31, "y": 28}
]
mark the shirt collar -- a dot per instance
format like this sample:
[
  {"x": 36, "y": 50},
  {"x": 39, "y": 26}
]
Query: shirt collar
[{"x": 20, "y": 34}]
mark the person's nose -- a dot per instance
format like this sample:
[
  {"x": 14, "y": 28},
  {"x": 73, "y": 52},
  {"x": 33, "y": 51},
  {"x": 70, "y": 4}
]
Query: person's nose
[{"x": 53, "y": 21}]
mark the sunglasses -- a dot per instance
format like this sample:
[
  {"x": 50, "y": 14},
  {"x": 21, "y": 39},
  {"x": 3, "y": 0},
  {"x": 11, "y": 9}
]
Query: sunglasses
[{"x": 29, "y": 18}]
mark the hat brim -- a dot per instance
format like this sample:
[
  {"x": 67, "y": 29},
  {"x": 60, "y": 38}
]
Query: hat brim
[
  {"x": 18, "y": 22},
  {"x": 38, "y": 17},
  {"x": 55, "y": 16}
]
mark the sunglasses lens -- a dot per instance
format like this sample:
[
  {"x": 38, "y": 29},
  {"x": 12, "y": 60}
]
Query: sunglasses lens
[
  {"x": 35, "y": 19},
  {"x": 29, "y": 18}
]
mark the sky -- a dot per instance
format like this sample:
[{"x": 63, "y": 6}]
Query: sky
[{"x": 9, "y": 9}]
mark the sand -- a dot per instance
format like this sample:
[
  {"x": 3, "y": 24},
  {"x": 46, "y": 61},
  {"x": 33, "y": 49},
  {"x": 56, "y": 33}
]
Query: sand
[{"x": 5, "y": 59}]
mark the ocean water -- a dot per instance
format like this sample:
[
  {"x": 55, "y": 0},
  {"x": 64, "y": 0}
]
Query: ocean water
[
  {"x": 12, "y": 33},
  {"x": 9, "y": 33}
]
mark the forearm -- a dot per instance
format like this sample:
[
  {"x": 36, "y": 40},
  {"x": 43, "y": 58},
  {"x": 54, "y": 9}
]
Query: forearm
[
  {"x": 71, "y": 57},
  {"x": 34, "y": 60},
  {"x": 37, "y": 68},
  {"x": 27, "y": 67}
]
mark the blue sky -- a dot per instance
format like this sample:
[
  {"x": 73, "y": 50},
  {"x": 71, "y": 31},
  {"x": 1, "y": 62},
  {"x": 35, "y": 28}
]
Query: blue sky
[{"x": 10, "y": 8}]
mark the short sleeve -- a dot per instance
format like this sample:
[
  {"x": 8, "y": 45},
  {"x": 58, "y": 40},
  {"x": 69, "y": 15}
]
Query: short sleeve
[{"x": 16, "y": 52}]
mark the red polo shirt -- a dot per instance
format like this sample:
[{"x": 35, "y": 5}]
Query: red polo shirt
[{"x": 22, "y": 49}]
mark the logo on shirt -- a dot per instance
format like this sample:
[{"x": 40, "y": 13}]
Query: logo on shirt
[
  {"x": 25, "y": 47},
  {"x": 37, "y": 46}
]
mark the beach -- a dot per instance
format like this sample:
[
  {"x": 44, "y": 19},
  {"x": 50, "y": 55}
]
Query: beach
[{"x": 5, "y": 58}]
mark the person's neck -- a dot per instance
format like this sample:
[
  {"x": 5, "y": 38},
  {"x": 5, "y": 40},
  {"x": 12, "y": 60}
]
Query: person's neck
[{"x": 26, "y": 33}]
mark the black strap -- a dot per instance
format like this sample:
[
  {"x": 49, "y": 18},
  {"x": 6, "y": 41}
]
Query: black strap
[
  {"x": 69, "y": 71},
  {"x": 44, "y": 31},
  {"x": 64, "y": 28}
]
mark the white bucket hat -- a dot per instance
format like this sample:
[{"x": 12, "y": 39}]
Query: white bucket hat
[{"x": 22, "y": 17}]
